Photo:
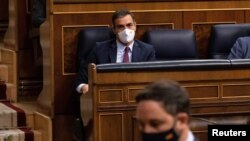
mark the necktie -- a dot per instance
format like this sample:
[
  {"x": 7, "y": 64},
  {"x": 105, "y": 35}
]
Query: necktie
[{"x": 125, "y": 55}]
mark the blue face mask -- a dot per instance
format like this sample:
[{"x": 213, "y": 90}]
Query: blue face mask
[{"x": 169, "y": 135}]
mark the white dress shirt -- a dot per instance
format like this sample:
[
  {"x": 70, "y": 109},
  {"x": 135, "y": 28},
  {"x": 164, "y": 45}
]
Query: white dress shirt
[
  {"x": 121, "y": 50},
  {"x": 190, "y": 136}
]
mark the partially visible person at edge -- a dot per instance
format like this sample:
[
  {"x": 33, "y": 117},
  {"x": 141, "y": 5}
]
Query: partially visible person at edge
[
  {"x": 112, "y": 51},
  {"x": 38, "y": 12},
  {"x": 240, "y": 49},
  {"x": 163, "y": 112}
]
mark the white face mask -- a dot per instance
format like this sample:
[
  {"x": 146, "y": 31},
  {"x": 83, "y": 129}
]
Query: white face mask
[{"x": 126, "y": 36}]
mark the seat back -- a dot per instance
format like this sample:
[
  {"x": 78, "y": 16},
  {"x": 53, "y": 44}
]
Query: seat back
[
  {"x": 223, "y": 37},
  {"x": 172, "y": 44},
  {"x": 88, "y": 37}
]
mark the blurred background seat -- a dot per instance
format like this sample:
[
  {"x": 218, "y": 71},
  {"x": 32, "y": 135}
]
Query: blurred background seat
[
  {"x": 88, "y": 37},
  {"x": 223, "y": 37},
  {"x": 172, "y": 44}
]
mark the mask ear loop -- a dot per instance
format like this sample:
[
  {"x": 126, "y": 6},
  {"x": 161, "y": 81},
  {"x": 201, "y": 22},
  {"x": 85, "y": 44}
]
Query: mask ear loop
[{"x": 176, "y": 124}]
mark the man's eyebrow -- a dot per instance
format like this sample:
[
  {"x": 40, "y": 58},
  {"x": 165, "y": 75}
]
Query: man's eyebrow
[
  {"x": 124, "y": 24},
  {"x": 156, "y": 120}
]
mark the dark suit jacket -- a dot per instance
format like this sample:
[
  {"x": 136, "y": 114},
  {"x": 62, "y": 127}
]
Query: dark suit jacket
[
  {"x": 105, "y": 52},
  {"x": 241, "y": 49}
]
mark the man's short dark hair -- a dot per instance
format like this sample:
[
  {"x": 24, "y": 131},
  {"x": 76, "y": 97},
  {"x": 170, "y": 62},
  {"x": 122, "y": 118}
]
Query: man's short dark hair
[
  {"x": 173, "y": 97},
  {"x": 121, "y": 13}
]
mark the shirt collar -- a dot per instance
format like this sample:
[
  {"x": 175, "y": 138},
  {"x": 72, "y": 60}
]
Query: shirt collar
[
  {"x": 120, "y": 46},
  {"x": 190, "y": 136}
]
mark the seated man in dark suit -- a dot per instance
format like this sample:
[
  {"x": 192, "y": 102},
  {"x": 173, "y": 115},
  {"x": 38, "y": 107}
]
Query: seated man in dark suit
[
  {"x": 241, "y": 49},
  {"x": 163, "y": 112},
  {"x": 123, "y": 49}
]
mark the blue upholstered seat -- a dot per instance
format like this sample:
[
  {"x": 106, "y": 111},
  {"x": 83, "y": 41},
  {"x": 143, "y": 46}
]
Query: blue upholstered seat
[
  {"x": 88, "y": 37},
  {"x": 172, "y": 44},
  {"x": 223, "y": 37}
]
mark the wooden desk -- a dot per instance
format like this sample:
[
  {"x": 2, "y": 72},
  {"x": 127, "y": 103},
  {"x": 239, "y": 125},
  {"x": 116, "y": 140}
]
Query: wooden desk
[{"x": 218, "y": 96}]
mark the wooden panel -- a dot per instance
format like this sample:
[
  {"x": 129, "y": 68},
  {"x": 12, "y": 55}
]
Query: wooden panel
[
  {"x": 152, "y": 20},
  {"x": 62, "y": 128},
  {"x": 220, "y": 16},
  {"x": 247, "y": 16},
  {"x": 178, "y": 75},
  {"x": 43, "y": 124},
  {"x": 156, "y": 17},
  {"x": 142, "y": 28},
  {"x": 217, "y": 109},
  {"x": 128, "y": 126},
  {"x": 201, "y": 135},
  {"x": 153, "y": 6},
  {"x": 201, "y": 22},
  {"x": 236, "y": 90},
  {"x": 202, "y": 32},
  {"x": 203, "y": 91},
  {"x": 66, "y": 29},
  {"x": 132, "y": 92},
  {"x": 135, "y": 129},
  {"x": 110, "y": 96},
  {"x": 69, "y": 48},
  {"x": 9, "y": 57},
  {"x": 111, "y": 127}
]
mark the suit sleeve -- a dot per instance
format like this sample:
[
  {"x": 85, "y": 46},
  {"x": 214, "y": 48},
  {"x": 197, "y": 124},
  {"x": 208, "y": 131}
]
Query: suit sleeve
[
  {"x": 151, "y": 56},
  {"x": 82, "y": 75}
]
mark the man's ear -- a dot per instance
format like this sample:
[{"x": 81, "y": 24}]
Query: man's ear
[
  {"x": 182, "y": 117},
  {"x": 181, "y": 123},
  {"x": 113, "y": 29}
]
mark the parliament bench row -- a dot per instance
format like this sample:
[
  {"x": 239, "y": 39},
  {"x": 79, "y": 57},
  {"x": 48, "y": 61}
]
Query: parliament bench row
[
  {"x": 171, "y": 44},
  {"x": 191, "y": 64},
  {"x": 218, "y": 90}
]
